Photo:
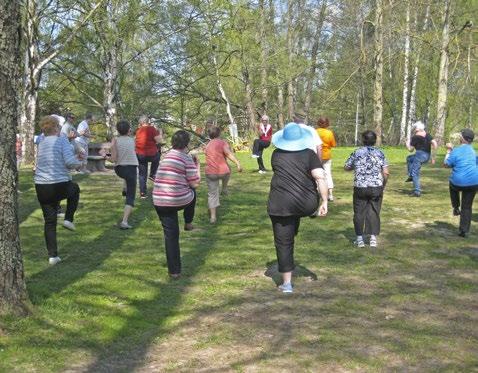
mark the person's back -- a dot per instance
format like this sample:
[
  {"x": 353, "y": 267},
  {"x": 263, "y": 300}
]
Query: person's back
[
  {"x": 328, "y": 142},
  {"x": 145, "y": 142},
  {"x": 126, "y": 155},
  {"x": 55, "y": 157},
  {"x": 216, "y": 163},
  {"x": 367, "y": 163},
  {"x": 465, "y": 170}
]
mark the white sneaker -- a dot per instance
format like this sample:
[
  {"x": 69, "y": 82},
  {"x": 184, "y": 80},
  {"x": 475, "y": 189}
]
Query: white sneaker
[
  {"x": 286, "y": 288},
  {"x": 69, "y": 225},
  {"x": 60, "y": 215},
  {"x": 54, "y": 260},
  {"x": 373, "y": 241},
  {"x": 331, "y": 198},
  {"x": 254, "y": 156},
  {"x": 262, "y": 172},
  {"x": 123, "y": 225},
  {"x": 359, "y": 243}
]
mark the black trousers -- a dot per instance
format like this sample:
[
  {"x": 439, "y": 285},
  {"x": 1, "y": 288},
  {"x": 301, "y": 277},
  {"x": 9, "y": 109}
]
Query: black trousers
[
  {"x": 367, "y": 204},
  {"x": 467, "y": 196},
  {"x": 285, "y": 229},
  {"x": 169, "y": 220},
  {"x": 257, "y": 148},
  {"x": 129, "y": 174},
  {"x": 143, "y": 161},
  {"x": 49, "y": 196}
]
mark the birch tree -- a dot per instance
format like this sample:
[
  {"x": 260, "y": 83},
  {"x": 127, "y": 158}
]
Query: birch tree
[
  {"x": 443, "y": 75},
  {"x": 378, "y": 69},
  {"x": 403, "y": 121},
  {"x": 13, "y": 294},
  {"x": 39, "y": 53}
]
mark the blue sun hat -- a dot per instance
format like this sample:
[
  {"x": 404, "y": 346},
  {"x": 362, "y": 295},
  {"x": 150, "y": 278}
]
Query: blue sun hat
[{"x": 293, "y": 138}]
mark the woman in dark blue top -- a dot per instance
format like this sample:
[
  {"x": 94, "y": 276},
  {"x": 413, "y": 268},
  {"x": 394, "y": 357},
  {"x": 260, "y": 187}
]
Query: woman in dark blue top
[{"x": 464, "y": 178}]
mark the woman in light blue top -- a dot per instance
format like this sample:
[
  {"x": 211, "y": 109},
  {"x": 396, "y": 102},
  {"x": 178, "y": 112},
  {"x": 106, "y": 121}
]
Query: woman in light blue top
[
  {"x": 464, "y": 178},
  {"x": 53, "y": 181}
]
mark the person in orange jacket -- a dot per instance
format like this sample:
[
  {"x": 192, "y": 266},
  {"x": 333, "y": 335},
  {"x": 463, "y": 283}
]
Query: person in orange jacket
[{"x": 328, "y": 139}]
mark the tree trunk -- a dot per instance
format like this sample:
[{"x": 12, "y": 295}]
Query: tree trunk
[
  {"x": 378, "y": 65},
  {"x": 404, "y": 118},
  {"x": 357, "y": 120},
  {"x": 290, "y": 52},
  {"x": 313, "y": 58},
  {"x": 469, "y": 81},
  {"x": 249, "y": 104},
  {"x": 232, "y": 124},
  {"x": 13, "y": 294},
  {"x": 412, "y": 112},
  {"x": 110, "y": 90},
  {"x": 264, "y": 55},
  {"x": 280, "y": 104},
  {"x": 443, "y": 75}
]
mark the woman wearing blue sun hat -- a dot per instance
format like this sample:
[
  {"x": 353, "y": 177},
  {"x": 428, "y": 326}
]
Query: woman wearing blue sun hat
[{"x": 293, "y": 193}]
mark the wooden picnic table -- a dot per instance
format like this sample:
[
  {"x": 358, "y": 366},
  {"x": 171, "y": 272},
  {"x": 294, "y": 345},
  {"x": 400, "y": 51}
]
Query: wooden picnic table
[{"x": 96, "y": 159}]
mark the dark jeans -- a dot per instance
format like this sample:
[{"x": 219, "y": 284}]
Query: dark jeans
[
  {"x": 49, "y": 196},
  {"x": 367, "y": 204},
  {"x": 285, "y": 228},
  {"x": 467, "y": 196},
  {"x": 128, "y": 174},
  {"x": 143, "y": 169},
  {"x": 169, "y": 220},
  {"x": 257, "y": 148}
]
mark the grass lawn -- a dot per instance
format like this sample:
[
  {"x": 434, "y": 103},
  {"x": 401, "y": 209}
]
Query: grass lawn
[{"x": 409, "y": 305}]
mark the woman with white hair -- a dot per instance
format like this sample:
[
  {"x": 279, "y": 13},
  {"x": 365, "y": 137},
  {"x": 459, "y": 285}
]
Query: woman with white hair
[
  {"x": 464, "y": 178},
  {"x": 264, "y": 140},
  {"x": 293, "y": 193},
  {"x": 422, "y": 142}
]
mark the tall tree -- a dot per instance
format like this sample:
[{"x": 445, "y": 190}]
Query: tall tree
[
  {"x": 403, "y": 121},
  {"x": 311, "y": 76},
  {"x": 443, "y": 74},
  {"x": 41, "y": 47},
  {"x": 378, "y": 68},
  {"x": 13, "y": 294}
]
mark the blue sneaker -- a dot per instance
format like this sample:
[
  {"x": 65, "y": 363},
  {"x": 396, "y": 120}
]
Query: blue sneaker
[{"x": 286, "y": 288}]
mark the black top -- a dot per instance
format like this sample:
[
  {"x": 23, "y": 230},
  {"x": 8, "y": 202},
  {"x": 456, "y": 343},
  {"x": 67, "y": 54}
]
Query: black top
[
  {"x": 293, "y": 189},
  {"x": 422, "y": 143}
]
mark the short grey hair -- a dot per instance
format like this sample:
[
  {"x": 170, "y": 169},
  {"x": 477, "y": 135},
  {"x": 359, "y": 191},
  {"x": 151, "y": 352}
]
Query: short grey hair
[{"x": 143, "y": 119}]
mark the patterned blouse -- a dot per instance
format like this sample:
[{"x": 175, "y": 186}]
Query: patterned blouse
[{"x": 368, "y": 163}]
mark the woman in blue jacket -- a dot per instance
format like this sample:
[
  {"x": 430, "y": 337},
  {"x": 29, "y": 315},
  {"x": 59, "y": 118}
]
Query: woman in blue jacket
[{"x": 464, "y": 178}]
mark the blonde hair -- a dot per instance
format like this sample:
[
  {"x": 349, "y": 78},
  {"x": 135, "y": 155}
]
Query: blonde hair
[{"x": 49, "y": 125}]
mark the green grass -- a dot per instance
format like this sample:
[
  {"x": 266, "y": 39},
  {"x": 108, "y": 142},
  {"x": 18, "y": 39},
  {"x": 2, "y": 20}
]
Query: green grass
[{"x": 109, "y": 306}]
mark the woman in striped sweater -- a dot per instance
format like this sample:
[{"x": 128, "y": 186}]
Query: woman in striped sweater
[
  {"x": 53, "y": 182},
  {"x": 174, "y": 189}
]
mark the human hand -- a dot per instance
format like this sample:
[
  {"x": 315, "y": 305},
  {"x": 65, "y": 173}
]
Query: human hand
[
  {"x": 239, "y": 168},
  {"x": 449, "y": 146},
  {"x": 433, "y": 160},
  {"x": 323, "y": 209}
]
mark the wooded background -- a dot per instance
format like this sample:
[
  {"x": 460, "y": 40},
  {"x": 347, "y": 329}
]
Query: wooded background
[{"x": 379, "y": 64}]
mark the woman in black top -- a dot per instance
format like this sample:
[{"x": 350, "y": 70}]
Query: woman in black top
[
  {"x": 293, "y": 193},
  {"x": 422, "y": 142}
]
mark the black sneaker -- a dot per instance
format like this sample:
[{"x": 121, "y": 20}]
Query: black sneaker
[
  {"x": 123, "y": 193},
  {"x": 415, "y": 194},
  {"x": 462, "y": 234},
  {"x": 456, "y": 211},
  {"x": 409, "y": 180}
]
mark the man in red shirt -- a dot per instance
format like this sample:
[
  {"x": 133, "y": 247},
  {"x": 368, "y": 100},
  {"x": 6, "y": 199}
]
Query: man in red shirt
[
  {"x": 264, "y": 140},
  {"x": 147, "y": 138}
]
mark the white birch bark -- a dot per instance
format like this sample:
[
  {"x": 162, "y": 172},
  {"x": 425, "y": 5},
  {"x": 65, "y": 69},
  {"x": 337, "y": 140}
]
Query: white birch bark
[
  {"x": 443, "y": 75},
  {"x": 404, "y": 117},
  {"x": 412, "y": 111},
  {"x": 290, "y": 51},
  {"x": 378, "y": 66}
]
